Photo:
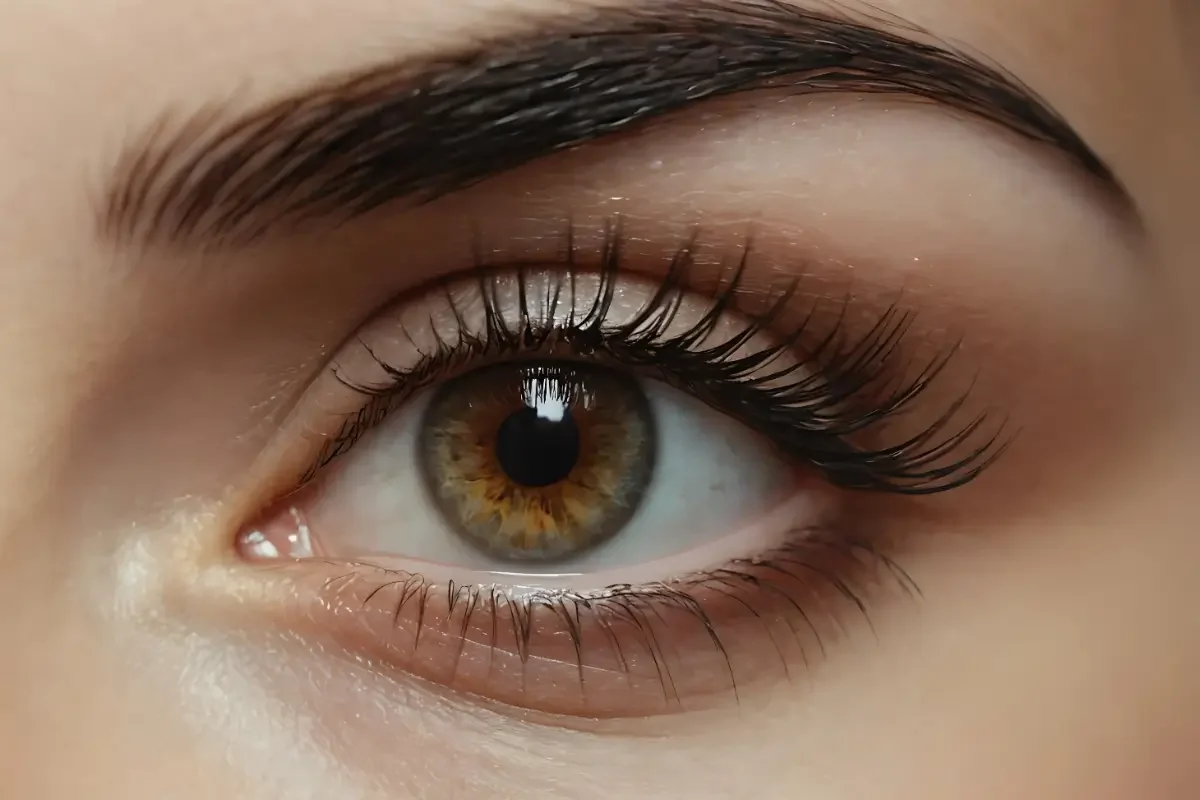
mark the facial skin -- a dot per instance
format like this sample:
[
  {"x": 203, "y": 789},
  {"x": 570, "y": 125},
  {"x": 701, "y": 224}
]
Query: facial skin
[{"x": 157, "y": 395}]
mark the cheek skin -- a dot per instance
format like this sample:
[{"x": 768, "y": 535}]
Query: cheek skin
[
  {"x": 1045, "y": 660},
  {"x": 1050, "y": 659},
  {"x": 1043, "y": 663}
]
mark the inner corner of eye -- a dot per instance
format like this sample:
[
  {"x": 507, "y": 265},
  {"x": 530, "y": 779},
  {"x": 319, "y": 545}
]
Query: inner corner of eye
[{"x": 281, "y": 531}]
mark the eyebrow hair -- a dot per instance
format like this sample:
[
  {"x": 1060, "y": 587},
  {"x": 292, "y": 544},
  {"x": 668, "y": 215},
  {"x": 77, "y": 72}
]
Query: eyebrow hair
[{"x": 419, "y": 129}]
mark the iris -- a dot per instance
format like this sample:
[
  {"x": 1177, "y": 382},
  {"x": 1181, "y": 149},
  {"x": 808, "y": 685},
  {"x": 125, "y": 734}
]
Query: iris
[{"x": 538, "y": 461}]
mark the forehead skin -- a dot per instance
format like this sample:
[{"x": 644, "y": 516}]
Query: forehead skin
[
  {"x": 97, "y": 72},
  {"x": 78, "y": 78}
]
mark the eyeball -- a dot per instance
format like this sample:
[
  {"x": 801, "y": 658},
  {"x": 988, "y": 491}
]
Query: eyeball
[
  {"x": 538, "y": 462},
  {"x": 551, "y": 466}
]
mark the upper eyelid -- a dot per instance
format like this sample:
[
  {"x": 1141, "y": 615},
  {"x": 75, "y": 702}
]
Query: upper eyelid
[
  {"x": 859, "y": 365},
  {"x": 210, "y": 181}
]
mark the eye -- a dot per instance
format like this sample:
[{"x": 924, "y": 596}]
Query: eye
[
  {"x": 558, "y": 465},
  {"x": 541, "y": 461},
  {"x": 582, "y": 492}
]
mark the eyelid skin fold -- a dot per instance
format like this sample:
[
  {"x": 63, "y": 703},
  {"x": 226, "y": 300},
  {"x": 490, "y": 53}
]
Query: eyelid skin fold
[{"x": 640, "y": 643}]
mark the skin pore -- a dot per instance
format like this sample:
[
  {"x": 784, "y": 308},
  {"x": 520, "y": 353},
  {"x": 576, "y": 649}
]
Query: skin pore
[{"x": 171, "y": 380}]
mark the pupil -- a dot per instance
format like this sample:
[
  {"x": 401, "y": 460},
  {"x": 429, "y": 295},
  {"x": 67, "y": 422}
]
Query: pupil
[{"x": 536, "y": 450}]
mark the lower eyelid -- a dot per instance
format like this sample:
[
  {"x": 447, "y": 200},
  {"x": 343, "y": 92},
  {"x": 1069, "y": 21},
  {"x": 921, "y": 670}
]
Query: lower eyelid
[
  {"x": 810, "y": 506},
  {"x": 625, "y": 651}
]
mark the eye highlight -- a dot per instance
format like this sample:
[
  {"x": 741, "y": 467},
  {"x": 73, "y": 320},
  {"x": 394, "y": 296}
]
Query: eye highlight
[
  {"x": 564, "y": 484},
  {"x": 538, "y": 461}
]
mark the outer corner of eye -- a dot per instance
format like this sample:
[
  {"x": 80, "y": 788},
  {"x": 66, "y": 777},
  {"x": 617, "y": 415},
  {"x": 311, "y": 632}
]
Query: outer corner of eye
[{"x": 568, "y": 534}]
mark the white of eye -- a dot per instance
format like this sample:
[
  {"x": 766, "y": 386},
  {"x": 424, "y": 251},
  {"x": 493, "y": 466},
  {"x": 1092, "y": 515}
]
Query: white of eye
[{"x": 719, "y": 492}]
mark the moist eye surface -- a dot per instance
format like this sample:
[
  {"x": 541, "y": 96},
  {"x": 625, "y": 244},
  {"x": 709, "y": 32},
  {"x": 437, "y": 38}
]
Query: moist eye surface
[{"x": 538, "y": 461}]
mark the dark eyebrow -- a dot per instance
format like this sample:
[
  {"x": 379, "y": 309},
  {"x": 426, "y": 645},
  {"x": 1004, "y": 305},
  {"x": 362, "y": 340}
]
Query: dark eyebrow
[{"x": 419, "y": 129}]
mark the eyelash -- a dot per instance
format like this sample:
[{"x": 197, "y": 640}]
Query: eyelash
[
  {"x": 845, "y": 390},
  {"x": 801, "y": 590},
  {"x": 816, "y": 409}
]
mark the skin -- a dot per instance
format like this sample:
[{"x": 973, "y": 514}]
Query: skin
[{"x": 1053, "y": 652}]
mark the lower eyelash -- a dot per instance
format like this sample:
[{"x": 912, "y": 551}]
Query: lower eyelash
[{"x": 793, "y": 601}]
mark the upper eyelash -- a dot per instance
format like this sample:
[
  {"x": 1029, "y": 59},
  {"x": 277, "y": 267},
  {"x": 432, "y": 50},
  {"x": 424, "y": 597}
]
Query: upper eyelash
[{"x": 843, "y": 389}]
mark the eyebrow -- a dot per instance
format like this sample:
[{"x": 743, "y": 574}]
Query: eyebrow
[{"x": 417, "y": 129}]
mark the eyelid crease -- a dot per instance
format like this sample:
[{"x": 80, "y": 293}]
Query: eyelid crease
[{"x": 424, "y": 128}]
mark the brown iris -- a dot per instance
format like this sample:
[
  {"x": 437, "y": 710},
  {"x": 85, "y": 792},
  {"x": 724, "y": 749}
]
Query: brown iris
[{"x": 538, "y": 461}]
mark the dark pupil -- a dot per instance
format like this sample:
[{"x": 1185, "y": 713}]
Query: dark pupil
[{"x": 534, "y": 450}]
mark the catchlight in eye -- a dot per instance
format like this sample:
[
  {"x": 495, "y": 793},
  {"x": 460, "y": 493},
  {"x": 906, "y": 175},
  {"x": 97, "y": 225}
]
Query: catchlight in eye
[{"x": 538, "y": 461}]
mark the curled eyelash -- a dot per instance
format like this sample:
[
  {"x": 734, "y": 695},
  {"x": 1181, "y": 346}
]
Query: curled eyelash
[
  {"x": 825, "y": 394},
  {"x": 796, "y": 596},
  {"x": 818, "y": 408}
]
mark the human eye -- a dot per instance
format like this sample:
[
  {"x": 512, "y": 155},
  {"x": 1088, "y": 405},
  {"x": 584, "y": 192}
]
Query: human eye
[{"x": 574, "y": 485}]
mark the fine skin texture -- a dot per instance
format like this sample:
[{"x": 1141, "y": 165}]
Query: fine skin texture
[{"x": 166, "y": 385}]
